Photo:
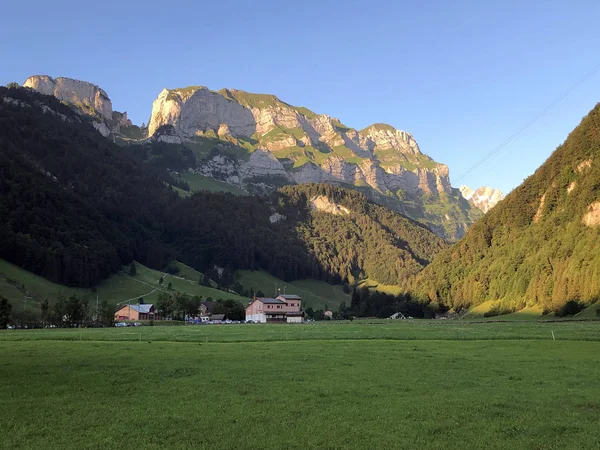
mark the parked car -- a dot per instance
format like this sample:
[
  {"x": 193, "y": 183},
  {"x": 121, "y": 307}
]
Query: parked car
[{"x": 120, "y": 324}]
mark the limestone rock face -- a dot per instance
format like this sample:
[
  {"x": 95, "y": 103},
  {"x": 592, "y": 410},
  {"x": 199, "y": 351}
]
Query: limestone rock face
[
  {"x": 592, "y": 217},
  {"x": 199, "y": 109},
  {"x": 258, "y": 142},
  {"x": 386, "y": 137},
  {"x": 121, "y": 119},
  {"x": 379, "y": 156},
  {"x": 102, "y": 128},
  {"x": 79, "y": 93},
  {"x": 295, "y": 145},
  {"x": 250, "y": 175},
  {"x": 484, "y": 198},
  {"x": 322, "y": 203}
]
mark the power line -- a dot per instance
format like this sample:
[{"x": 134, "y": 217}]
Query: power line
[{"x": 521, "y": 130}]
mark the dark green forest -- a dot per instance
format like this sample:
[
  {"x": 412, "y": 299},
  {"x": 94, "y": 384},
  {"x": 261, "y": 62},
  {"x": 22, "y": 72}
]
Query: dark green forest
[
  {"x": 236, "y": 233},
  {"x": 77, "y": 207},
  {"x": 533, "y": 248},
  {"x": 74, "y": 207}
]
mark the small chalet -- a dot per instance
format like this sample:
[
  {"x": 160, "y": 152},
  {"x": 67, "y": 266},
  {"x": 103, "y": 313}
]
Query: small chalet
[
  {"x": 282, "y": 309},
  {"x": 137, "y": 312},
  {"x": 206, "y": 307}
]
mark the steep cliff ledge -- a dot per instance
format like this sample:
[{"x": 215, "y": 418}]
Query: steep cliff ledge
[{"x": 88, "y": 97}]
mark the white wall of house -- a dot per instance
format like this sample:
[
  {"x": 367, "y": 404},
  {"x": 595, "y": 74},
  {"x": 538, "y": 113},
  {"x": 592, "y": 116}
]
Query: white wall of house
[{"x": 260, "y": 317}]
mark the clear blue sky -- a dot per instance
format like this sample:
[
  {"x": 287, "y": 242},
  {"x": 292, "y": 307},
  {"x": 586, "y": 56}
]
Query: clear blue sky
[{"x": 460, "y": 76}]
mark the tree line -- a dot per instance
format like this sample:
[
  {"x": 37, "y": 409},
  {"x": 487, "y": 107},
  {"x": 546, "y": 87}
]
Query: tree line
[{"x": 63, "y": 312}]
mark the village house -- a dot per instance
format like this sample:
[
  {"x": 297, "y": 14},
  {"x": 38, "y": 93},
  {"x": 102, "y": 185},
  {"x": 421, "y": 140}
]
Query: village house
[
  {"x": 281, "y": 309},
  {"x": 206, "y": 307},
  {"x": 137, "y": 312}
]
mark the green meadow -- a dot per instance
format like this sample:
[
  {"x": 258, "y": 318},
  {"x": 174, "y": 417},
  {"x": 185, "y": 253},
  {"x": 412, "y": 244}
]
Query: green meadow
[
  {"x": 119, "y": 288},
  {"x": 372, "y": 384}
]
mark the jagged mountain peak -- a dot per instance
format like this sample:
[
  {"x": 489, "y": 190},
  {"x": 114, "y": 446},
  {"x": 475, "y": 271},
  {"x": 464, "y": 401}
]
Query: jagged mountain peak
[
  {"x": 88, "y": 97},
  {"x": 241, "y": 137},
  {"x": 483, "y": 198}
]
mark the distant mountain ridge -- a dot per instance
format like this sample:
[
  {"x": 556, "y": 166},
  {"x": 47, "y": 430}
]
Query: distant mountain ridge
[
  {"x": 258, "y": 142},
  {"x": 484, "y": 198},
  {"x": 310, "y": 147}
]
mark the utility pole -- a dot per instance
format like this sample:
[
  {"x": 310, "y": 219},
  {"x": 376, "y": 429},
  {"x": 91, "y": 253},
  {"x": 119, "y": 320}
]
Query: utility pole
[{"x": 97, "y": 310}]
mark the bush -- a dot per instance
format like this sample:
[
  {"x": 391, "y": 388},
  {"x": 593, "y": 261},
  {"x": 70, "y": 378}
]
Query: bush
[
  {"x": 570, "y": 308},
  {"x": 172, "y": 270},
  {"x": 498, "y": 310}
]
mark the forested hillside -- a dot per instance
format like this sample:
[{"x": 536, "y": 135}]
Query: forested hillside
[
  {"x": 73, "y": 207},
  {"x": 241, "y": 233},
  {"x": 538, "y": 246},
  {"x": 76, "y": 207}
]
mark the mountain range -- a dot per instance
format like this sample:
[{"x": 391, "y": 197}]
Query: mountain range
[
  {"x": 85, "y": 192},
  {"x": 76, "y": 207},
  {"x": 257, "y": 143}
]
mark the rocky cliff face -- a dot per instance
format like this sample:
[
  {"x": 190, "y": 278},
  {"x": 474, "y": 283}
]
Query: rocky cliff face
[
  {"x": 88, "y": 97},
  {"x": 289, "y": 144},
  {"x": 314, "y": 148},
  {"x": 258, "y": 142},
  {"x": 85, "y": 97},
  {"x": 483, "y": 198}
]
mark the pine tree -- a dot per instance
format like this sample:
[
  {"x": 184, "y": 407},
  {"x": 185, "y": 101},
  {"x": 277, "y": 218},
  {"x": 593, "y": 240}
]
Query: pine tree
[
  {"x": 5, "y": 308},
  {"x": 355, "y": 301}
]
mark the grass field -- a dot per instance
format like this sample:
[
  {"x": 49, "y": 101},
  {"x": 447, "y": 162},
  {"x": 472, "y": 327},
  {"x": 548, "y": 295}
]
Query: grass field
[
  {"x": 199, "y": 182},
  {"x": 376, "y": 329},
  {"x": 406, "y": 384}
]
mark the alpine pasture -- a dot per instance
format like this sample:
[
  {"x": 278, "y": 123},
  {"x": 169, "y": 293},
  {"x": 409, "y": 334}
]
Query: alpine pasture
[{"x": 380, "y": 384}]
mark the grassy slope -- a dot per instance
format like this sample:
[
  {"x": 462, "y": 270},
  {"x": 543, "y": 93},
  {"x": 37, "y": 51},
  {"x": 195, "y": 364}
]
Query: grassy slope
[
  {"x": 315, "y": 294},
  {"x": 199, "y": 182},
  {"x": 116, "y": 289},
  {"x": 423, "y": 394},
  {"x": 590, "y": 312},
  {"x": 376, "y": 286},
  {"x": 35, "y": 286}
]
